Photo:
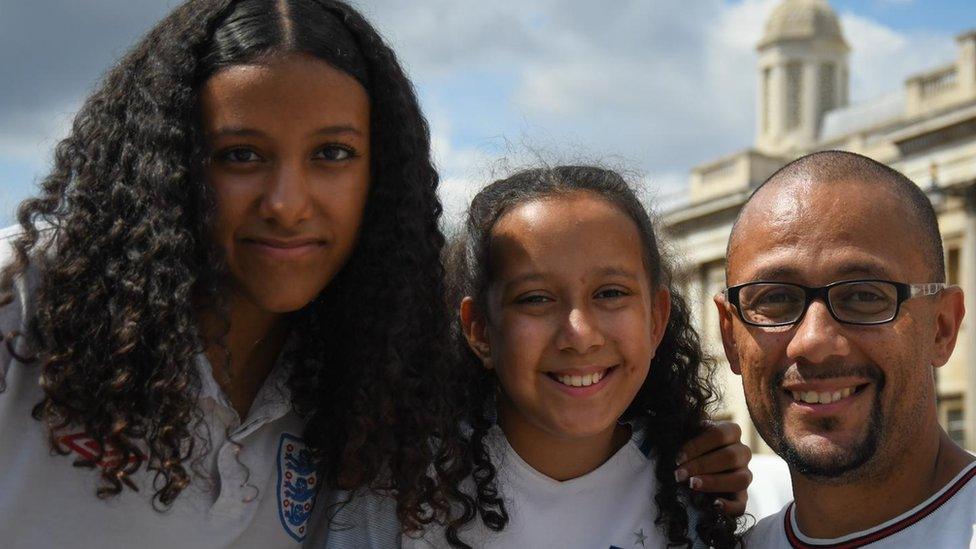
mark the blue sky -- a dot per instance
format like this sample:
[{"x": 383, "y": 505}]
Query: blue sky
[
  {"x": 942, "y": 16},
  {"x": 654, "y": 86}
]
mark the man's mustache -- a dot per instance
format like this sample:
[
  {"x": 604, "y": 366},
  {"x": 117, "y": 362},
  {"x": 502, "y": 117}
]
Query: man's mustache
[{"x": 800, "y": 372}]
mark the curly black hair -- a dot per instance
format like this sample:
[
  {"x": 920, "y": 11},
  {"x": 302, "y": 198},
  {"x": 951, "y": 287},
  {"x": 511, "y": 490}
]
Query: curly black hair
[
  {"x": 672, "y": 403},
  {"x": 121, "y": 237}
]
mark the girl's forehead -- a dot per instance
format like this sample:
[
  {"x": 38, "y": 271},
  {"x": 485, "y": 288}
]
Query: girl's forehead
[
  {"x": 558, "y": 212},
  {"x": 564, "y": 234}
]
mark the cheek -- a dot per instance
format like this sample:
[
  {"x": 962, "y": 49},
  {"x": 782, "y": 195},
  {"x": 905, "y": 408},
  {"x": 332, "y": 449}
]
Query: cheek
[
  {"x": 343, "y": 203},
  {"x": 518, "y": 348},
  {"x": 631, "y": 328},
  {"x": 234, "y": 197},
  {"x": 760, "y": 356}
]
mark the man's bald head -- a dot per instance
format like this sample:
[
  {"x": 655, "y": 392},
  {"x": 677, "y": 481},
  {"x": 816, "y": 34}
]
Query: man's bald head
[{"x": 824, "y": 168}]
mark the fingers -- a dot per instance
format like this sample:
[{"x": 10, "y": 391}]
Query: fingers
[
  {"x": 735, "y": 507},
  {"x": 722, "y": 483},
  {"x": 725, "y": 459},
  {"x": 716, "y": 462},
  {"x": 722, "y": 433}
]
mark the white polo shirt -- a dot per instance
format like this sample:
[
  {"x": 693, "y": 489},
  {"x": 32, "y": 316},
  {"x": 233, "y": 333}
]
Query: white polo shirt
[
  {"x": 610, "y": 507},
  {"x": 947, "y": 519},
  {"x": 255, "y": 486}
]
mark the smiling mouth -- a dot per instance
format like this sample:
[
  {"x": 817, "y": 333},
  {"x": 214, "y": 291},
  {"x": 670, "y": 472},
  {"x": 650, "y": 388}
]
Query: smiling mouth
[
  {"x": 826, "y": 397},
  {"x": 571, "y": 380},
  {"x": 286, "y": 244}
]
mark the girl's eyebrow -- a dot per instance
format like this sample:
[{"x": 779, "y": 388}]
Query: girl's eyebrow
[
  {"x": 240, "y": 131},
  {"x": 603, "y": 271},
  {"x": 527, "y": 277},
  {"x": 617, "y": 271}
]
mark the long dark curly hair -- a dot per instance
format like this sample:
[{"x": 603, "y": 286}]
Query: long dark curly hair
[
  {"x": 121, "y": 238},
  {"x": 672, "y": 403}
]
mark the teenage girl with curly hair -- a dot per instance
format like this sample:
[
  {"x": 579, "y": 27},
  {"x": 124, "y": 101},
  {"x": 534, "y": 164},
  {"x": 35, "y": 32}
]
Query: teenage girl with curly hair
[
  {"x": 228, "y": 294},
  {"x": 230, "y": 272}
]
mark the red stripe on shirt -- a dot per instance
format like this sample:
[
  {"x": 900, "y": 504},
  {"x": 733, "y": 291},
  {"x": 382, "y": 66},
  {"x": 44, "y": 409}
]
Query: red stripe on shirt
[{"x": 872, "y": 537}]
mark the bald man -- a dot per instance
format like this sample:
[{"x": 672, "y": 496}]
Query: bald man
[{"x": 835, "y": 316}]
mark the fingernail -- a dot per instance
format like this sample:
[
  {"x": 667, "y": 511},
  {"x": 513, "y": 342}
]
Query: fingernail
[
  {"x": 680, "y": 459},
  {"x": 695, "y": 483},
  {"x": 680, "y": 475}
]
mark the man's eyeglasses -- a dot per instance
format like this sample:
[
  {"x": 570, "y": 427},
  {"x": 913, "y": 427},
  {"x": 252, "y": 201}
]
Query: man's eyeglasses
[{"x": 862, "y": 302}]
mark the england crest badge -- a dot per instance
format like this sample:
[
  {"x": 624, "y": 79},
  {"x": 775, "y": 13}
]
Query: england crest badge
[{"x": 297, "y": 485}]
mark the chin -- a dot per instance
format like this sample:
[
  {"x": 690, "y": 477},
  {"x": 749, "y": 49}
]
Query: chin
[
  {"x": 831, "y": 459},
  {"x": 584, "y": 429},
  {"x": 282, "y": 302}
]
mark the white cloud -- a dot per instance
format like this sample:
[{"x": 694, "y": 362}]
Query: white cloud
[
  {"x": 881, "y": 58},
  {"x": 663, "y": 85},
  {"x": 655, "y": 85},
  {"x": 461, "y": 171}
]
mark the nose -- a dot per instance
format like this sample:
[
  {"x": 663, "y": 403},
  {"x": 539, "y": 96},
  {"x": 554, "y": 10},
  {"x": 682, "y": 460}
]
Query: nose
[
  {"x": 580, "y": 332},
  {"x": 818, "y": 337},
  {"x": 287, "y": 201}
]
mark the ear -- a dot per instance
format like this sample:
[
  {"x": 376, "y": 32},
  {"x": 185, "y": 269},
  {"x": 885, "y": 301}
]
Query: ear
[
  {"x": 948, "y": 318},
  {"x": 474, "y": 326},
  {"x": 725, "y": 319}
]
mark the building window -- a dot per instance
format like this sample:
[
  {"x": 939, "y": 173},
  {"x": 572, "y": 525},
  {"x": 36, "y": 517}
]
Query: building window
[
  {"x": 952, "y": 265},
  {"x": 952, "y": 416},
  {"x": 767, "y": 78},
  {"x": 794, "y": 95},
  {"x": 843, "y": 86},
  {"x": 827, "y": 92}
]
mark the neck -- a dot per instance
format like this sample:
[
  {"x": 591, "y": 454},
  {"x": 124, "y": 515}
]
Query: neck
[
  {"x": 243, "y": 353},
  {"x": 831, "y": 511},
  {"x": 559, "y": 458}
]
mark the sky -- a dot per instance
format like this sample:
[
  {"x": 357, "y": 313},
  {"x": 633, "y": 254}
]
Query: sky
[{"x": 650, "y": 86}]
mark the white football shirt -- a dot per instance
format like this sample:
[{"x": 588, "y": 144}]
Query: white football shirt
[
  {"x": 256, "y": 487},
  {"x": 947, "y": 519},
  {"x": 610, "y": 507}
]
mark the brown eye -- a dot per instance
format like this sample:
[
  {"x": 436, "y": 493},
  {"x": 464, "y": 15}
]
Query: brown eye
[
  {"x": 335, "y": 153},
  {"x": 533, "y": 299},
  {"x": 238, "y": 155},
  {"x": 610, "y": 293}
]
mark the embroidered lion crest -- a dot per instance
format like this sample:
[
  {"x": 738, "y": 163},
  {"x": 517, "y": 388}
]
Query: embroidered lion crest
[{"x": 297, "y": 485}]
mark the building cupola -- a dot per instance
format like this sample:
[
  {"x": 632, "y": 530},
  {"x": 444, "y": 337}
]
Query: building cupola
[{"x": 803, "y": 74}]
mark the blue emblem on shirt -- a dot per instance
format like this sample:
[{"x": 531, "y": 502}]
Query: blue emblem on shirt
[{"x": 297, "y": 485}]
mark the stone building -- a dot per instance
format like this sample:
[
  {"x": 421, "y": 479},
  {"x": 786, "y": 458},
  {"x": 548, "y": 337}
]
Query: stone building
[{"x": 926, "y": 130}]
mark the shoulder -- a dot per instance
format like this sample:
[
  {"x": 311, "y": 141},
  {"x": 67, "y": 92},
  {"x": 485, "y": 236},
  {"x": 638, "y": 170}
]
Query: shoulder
[
  {"x": 640, "y": 439},
  {"x": 769, "y": 531},
  {"x": 12, "y": 314},
  {"x": 7, "y": 237},
  {"x": 15, "y": 314},
  {"x": 361, "y": 519}
]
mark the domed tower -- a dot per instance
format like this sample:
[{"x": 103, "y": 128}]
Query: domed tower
[{"x": 803, "y": 73}]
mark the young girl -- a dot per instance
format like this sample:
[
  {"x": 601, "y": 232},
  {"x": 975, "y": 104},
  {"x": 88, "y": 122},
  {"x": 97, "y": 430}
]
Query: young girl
[
  {"x": 222, "y": 298},
  {"x": 584, "y": 352}
]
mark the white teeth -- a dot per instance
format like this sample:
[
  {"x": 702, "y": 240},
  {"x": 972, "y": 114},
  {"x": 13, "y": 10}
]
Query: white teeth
[
  {"x": 813, "y": 397},
  {"x": 581, "y": 381}
]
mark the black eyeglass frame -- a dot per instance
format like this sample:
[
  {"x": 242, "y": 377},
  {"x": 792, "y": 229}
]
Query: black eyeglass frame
[{"x": 904, "y": 291}]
